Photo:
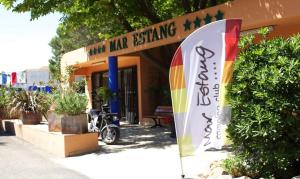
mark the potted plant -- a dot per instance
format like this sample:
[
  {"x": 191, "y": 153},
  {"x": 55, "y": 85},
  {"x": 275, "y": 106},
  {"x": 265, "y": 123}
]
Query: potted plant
[
  {"x": 31, "y": 104},
  {"x": 105, "y": 94},
  {"x": 71, "y": 106}
]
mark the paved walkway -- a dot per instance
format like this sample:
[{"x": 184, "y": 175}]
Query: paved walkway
[
  {"x": 142, "y": 153},
  {"x": 19, "y": 160}
]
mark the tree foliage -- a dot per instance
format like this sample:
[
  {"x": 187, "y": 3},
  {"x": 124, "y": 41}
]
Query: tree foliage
[
  {"x": 4, "y": 97},
  {"x": 111, "y": 17},
  {"x": 265, "y": 98},
  {"x": 67, "y": 40}
]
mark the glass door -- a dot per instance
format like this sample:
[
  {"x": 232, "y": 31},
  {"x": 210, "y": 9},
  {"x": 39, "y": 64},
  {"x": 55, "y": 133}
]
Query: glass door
[{"x": 127, "y": 92}]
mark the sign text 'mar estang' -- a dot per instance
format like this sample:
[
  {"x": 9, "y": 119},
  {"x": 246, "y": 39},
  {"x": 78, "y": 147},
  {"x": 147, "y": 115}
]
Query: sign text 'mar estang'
[{"x": 146, "y": 36}]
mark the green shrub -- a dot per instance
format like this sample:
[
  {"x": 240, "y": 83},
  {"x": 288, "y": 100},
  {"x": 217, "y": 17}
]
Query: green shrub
[
  {"x": 4, "y": 98},
  {"x": 105, "y": 94},
  {"x": 237, "y": 167},
  {"x": 265, "y": 99},
  {"x": 30, "y": 101},
  {"x": 71, "y": 103},
  {"x": 79, "y": 86},
  {"x": 234, "y": 166}
]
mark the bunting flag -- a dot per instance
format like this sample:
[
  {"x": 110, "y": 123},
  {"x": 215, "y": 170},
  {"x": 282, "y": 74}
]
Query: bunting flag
[
  {"x": 4, "y": 78},
  {"x": 13, "y": 78},
  {"x": 200, "y": 70},
  {"x": 48, "y": 89},
  {"x": 21, "y": 77},
  {"x": 8, "y": 78}
]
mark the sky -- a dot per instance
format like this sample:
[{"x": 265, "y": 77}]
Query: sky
[{"x": 24, "y": 43}]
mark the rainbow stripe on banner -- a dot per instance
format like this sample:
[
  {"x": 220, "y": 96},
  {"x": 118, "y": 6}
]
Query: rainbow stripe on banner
[{"x": 200, "y": 71}]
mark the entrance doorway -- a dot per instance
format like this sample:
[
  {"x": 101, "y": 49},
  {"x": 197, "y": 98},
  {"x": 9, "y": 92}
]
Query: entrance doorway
[{"x": 127, "y": 92}]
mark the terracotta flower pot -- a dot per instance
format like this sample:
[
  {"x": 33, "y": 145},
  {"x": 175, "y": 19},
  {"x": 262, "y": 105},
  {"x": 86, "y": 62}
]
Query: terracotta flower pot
[
  {"x": 74, "y": 124},
  {"x": 54, "y": 121},
  {"x": 31, "y": 117}
]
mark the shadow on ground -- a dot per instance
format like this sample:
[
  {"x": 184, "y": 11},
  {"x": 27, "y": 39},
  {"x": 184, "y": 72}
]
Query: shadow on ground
[
  {"x": 5, "y": 134},
  {"x": 137, "y": 137},
  {"x": 2, "y": 134},
  {"x": 226, "y": 148}
]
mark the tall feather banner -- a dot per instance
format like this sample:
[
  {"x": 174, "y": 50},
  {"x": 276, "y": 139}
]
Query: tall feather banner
[{"x": 200, "y": 70}]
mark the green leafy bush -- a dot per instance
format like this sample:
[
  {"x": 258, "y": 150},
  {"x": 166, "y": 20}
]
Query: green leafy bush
[
  {"x": 105, "y": 94},
  {"x": 79, "y": 86},
  {"x": 4, "y": 98},
  {"x": 236, "y": 166},
  {"x": 71, "y": 103},
  {"x": 265, "y": 99}
]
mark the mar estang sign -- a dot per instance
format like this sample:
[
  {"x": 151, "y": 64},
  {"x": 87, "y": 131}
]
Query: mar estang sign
[
  {"x": 164, "y": 33},
  {"x": 146, "y": 36}
]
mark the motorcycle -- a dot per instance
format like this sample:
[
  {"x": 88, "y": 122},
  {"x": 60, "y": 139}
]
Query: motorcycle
[{"x": 102, "y": 123}]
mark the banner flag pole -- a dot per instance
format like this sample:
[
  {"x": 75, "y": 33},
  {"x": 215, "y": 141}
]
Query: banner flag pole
[
  {"x": 200, "y": 70},
  {"x": 182, "y": 173}
]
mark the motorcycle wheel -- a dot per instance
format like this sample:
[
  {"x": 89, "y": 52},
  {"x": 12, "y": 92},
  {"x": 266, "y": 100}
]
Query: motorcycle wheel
[{"x": 111, "y": 138}]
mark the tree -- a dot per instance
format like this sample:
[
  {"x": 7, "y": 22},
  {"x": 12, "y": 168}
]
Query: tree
[{"x": 67, "y": 40}]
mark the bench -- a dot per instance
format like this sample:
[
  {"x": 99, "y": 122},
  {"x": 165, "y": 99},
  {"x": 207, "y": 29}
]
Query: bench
[{"x": 161, "y": 112}]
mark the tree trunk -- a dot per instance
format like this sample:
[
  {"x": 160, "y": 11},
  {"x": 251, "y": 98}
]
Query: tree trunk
[
  {"x": 121, "y": 17},
  {"x": 186, "y": 6},
  {"x": 203, "y": 4},
  {"x": 213, "y": 2},
  {"x": 148, "y": 11},
  {"x": 196, "y": 5}
]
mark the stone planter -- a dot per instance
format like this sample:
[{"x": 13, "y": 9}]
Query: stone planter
[
  {"x": 31, "y": 117},
  {"x": 74, "y": 124},
  {"x": 54, "y": 122}
]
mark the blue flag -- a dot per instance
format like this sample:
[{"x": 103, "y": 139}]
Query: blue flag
[{"x": 4, "y": 78}]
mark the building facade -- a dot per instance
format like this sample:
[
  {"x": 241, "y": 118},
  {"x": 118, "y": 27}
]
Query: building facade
[{"x": 143, "y": 57}]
